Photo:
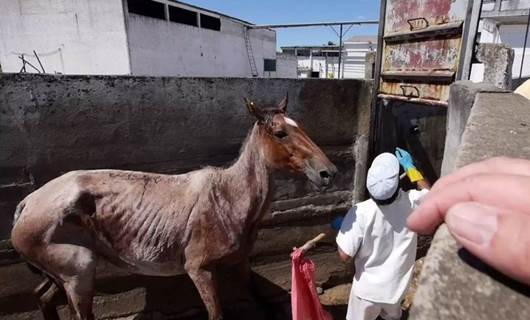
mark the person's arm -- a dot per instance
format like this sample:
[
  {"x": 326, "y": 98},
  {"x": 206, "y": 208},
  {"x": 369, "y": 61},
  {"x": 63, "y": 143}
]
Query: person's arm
[
  {"x": 423, "y": 184},
  {"x": 349, "y": 237},
  {"x": 415, "y": 176},
  {"x": 343, "y": 256}
]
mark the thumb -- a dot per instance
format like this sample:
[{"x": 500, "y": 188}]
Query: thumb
[{"x": 498, "y": 237}]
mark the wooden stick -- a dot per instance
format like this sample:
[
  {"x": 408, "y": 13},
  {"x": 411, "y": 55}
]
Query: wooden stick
[{"x": 312, "y": 243}]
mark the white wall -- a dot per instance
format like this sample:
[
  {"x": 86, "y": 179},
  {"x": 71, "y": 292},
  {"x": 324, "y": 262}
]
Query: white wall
[
  {"x": 70, "y": 36},
  {"x": 286, "y": 66},
  {"x": 163, "y": 48},
  {"x": 319, "y": 65},
  {"x": 355, "y": 59}
]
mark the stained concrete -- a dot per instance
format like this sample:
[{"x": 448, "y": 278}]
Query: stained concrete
[
  {"x": 53, "y": 124},
  {"x": 461, "y": 99},
  {"x": 454, "y": 284},
  {"x": 498, "y": 62}
]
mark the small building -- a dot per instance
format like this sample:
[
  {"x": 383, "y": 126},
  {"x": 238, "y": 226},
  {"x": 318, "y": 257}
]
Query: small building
[
  {"x": 136, "y": 37},
  {"x": 323, "y": 61},
  {"x": 506, "y": 22}
]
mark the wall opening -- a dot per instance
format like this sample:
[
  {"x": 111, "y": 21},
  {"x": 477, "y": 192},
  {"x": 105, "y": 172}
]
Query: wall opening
[
  {"x": 183, "y": 16},
  {"x": 147, "y": 8},
  {"x": 209, "y": 22},
  {"x": 269, "y": 65}
]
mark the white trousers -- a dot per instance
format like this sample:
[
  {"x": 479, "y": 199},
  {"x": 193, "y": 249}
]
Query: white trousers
[{"x": 360, "y": 309}]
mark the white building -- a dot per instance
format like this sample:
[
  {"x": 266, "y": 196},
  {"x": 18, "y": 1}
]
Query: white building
[
  {"x": 138, "y": 37},
  {"x": 323, "y": 61},
  {"x": 506, "y": 22}
]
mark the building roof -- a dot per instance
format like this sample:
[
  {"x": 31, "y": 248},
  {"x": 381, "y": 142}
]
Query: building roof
[
  {"x": 322, "y": 47},
  {"x": 213, "y": 12},
  {"x": 362, "y": 39}
]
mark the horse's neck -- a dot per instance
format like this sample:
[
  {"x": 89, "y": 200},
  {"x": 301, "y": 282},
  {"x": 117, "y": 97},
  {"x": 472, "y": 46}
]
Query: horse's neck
[{"x": 249, "y": 173}]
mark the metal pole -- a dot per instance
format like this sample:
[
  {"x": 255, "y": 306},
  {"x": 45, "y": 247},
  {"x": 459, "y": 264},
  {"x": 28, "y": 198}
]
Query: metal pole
[
  {"x": 37, "y": 56},
  {"x": 302, "y": 25},
  {"x": 524, "y": 47},
  {"x": 340, "y": 49}
]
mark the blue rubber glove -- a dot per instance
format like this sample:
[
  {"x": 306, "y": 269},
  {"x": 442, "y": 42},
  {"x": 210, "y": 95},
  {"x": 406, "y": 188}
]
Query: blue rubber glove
[
  {"x": 337, "y": 223},
  {"x": 405, "y": 159}
]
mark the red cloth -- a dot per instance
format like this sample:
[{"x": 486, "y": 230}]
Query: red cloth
[{"x": 304, "y": 298}]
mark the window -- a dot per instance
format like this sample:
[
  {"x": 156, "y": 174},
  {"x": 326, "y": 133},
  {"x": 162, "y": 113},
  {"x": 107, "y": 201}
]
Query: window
[
  {"x": 147, "y": 8},
  {"x": 269, "y": 65},
  {"x": 209, "y": 22},
  {"x": 184, "y": 16},
  {"x": 315, "y": 74}
]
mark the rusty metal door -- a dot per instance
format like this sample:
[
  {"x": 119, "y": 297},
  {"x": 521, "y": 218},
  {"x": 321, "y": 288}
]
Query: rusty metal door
[{"x": 423, "y": 48}]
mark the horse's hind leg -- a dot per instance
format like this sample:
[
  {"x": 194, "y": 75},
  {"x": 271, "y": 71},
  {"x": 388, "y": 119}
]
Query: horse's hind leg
[
  {"x": 46, "y": 294},
  {"x": 78, "y": 280},
  {"x": 74, "y": 269}
]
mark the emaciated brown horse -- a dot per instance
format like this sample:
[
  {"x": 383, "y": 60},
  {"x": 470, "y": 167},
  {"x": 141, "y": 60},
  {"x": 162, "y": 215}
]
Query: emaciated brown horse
[{"x": 162, "y": 225}]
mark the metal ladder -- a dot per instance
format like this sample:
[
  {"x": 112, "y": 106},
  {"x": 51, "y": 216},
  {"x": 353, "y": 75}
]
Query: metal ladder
[{"x": 250, "y": 53}]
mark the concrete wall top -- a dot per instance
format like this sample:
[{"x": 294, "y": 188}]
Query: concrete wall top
[{"x": 453, "y": 284}]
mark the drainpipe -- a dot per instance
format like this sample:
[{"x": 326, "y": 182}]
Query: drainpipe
[{"x": 524, "y": 47}]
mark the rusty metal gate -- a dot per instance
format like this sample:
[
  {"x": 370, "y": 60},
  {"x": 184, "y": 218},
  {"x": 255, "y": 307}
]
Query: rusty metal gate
[{"x": 424, "y": 46}]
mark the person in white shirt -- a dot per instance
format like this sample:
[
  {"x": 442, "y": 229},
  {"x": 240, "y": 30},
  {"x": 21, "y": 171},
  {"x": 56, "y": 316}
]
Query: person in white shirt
[{"x": 374, "y": 234}]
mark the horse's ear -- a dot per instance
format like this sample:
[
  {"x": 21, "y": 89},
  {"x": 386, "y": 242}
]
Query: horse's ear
[
  {"x": 253, "y": 110},
  {"x": 283, "y": 105}
]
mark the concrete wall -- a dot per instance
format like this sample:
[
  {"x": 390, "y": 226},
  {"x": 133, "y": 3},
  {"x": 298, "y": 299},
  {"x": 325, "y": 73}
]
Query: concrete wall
[
  {"x": 163, "y": 48},
  {"x": 54, "y": 124},
  {"x": 71, "y": 37},
  {"x": 51, "y": 125},
  {"x": 454, "y": 284},
  {"x": 286, "y": 66},
  {"x": 354, "y": 59}
]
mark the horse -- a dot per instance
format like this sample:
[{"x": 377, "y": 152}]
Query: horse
[{"x": 161, "y": 225}]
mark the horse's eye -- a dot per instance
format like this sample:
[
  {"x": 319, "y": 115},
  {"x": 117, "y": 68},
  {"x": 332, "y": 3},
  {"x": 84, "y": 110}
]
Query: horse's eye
[{"x": 280, "y": 134}]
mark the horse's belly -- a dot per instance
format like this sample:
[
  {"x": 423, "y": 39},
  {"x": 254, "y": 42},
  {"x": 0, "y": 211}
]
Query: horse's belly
[{"x": 149, "y": 268}]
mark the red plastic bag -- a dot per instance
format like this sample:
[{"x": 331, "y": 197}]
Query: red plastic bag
[{"x": 304, "y": 298}]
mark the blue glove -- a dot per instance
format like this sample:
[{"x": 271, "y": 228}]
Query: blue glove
[
  {"x": 406, "y": 162},
  {"x": 405, "y": 159},
  {"x": 337, "y": 223}
]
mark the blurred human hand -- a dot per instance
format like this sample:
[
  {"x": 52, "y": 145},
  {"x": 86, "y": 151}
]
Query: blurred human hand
[{"x": 486, "y": 206}]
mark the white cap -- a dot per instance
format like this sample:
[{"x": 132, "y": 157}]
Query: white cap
[{"x": 383, "y": 176}]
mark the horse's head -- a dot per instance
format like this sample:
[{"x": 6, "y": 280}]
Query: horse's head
[{"x": 286, "y": 146}]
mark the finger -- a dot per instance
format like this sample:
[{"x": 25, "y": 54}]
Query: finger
[
  {"x": 499, "y": 238},
  {"x": 501, "y": 165},
  {"x": 508, "y": 191}
]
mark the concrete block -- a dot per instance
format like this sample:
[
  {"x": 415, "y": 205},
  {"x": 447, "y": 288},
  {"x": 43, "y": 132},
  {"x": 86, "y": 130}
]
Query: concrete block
[
  {"x": 454, "y": 284},
  {"x": 498, "y": 62},
  {"x": 461, "y": 99}
]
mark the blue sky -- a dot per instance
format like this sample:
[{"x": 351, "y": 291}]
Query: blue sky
[{"x": 299, "y": 11}]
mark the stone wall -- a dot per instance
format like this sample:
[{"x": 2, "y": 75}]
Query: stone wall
[{"x": 53, "y": 124}]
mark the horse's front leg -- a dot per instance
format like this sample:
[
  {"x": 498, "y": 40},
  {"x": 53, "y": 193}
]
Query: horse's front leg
[{"x": 206, "y": 283}]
